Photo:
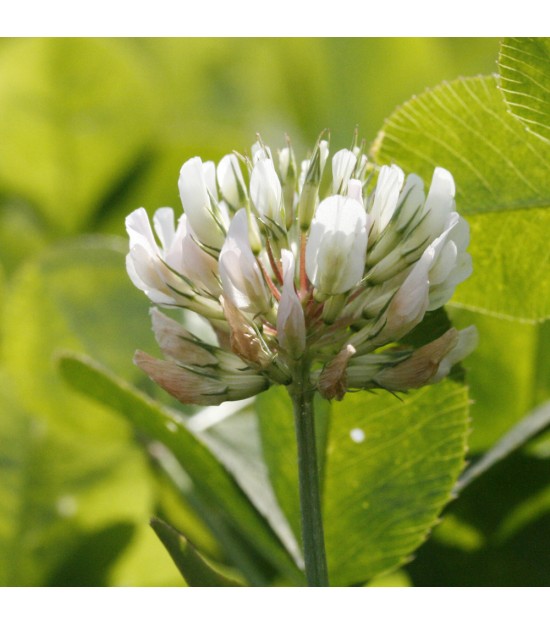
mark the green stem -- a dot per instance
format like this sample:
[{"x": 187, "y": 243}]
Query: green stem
[{"x": 310, "y": 496}]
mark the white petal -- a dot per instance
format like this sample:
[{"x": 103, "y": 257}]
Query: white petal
[
  {"x": 163, "y": 220},
  {"x": 139, "y": 230},
  {"x": 337, "y": 244},
  {"x": 230, "y": 178},
  {"x": 240, "y": 274},
  {"x": 196, "y": 203},
  {"x": 440, "y": 201},
  {"x": 284, "y": 162},
  {"x": 265, "y": 190},
  {"x": 410, "y": 303},
  {"x": 386, "y": 195},
  {"x": 343, "y": 164},
  {"x": 209, "y": 170},
  {"x": 260, "y": 150},
  {"x": 355, "y": 190}
]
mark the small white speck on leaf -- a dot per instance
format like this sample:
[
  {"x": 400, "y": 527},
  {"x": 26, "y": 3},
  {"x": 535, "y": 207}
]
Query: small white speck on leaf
[
  {"x": 66, "y": 506},
  {"x": 357, "y": 435}
]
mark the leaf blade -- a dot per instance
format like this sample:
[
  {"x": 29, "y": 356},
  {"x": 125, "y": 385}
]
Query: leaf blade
[
  {"x": 501, "y": 175},
  {"x": 194, "y": 567},
  {"x": 524, "y": 72}
]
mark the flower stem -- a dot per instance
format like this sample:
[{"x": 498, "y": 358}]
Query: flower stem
[{"x": 310, "y": 496}]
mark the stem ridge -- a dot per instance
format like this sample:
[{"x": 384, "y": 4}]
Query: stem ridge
[{"x": 313, "y": 539}]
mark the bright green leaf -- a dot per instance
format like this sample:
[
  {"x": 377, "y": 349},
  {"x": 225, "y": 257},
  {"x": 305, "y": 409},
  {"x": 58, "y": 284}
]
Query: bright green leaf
[
  {"x": 195, "y": 568},
  {"x": 524, "y": 68},
  {"x": 391, "y": 466},
  {"x": 501, "y": 174}
]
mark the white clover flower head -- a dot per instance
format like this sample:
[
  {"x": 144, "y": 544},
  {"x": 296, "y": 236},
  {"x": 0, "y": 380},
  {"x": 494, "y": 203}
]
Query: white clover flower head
[{"x": 328, "y": 265}]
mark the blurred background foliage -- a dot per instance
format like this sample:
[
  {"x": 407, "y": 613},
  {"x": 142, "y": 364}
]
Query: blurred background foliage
[{"x": 91, "y": 129}]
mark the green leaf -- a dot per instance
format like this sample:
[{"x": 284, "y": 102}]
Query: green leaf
[
  {"x": 524, "y": 68},
  {"x": 151, "y": 419},
  {"x": 391, "y": 466},
  {"x": 501, "y": 173},
  {"x": 383, "y": 494},
  {"x": 529, "y": 426},
  {"x": 195, "y": 568},
  {"x": 507, "y": 374},
  {"x": 74, "y": 115}
]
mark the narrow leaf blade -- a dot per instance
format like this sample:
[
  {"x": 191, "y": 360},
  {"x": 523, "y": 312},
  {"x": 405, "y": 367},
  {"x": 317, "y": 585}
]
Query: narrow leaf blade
[
  {"x": 532, "y": 424},
  {"x": 194, "y": 567},
  {"x": 215, "y": 484}
]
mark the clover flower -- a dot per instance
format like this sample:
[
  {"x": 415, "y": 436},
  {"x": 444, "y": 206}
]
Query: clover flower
[{"x": 332, "y": 266}]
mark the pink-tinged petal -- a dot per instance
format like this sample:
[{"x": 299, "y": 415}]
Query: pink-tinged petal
[
  {"x": 244, "y": 339},
  {"x": 186, "y": 386},
  {"x": 291, "y": 326},
  {"x": 421, "y": 367},
  {"x": 467, "y": 341},
  {"x": 177, "y": 343},
  {"x": 333, "y": 382}
]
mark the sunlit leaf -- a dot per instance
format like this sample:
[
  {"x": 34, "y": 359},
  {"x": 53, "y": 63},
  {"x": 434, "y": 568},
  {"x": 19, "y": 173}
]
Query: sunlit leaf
[
  {"x": 524, "y": 69},
  {"x": 390, "y": 469},
  {"x": 71, "y": 465},
  {"x": 501, "y": 174}
]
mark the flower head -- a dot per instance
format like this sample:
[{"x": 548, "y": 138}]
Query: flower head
[{"x": 290, "y": 270}]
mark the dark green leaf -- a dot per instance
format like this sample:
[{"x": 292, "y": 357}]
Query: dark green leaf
[{"x": 529, "y": 426}]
